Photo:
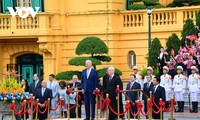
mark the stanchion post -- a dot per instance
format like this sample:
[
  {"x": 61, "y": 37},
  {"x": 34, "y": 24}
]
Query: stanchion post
[
  {"x": 100, "y": 107},
  {"x": 13, "y": 112},
  {"x": 138, "y": 111},
  {"x": 107, "y": 95},
  {"x": 118, "y": 105},
  {"x": 77, "y": 105},
  {"x": 25, "y": 109},
  {"x": 97, "y": 106},
  {"x": 128, "y": 110},
  {"x": 61, "y": 108},
  {"x": 150, "y": 114},
  {"x": 36, "y": 116},
  {"x": 172, "y": 112},
  {"x": 161, "y": 109},
  {"x": 68, "y": 106},
  {"x": 31, "y": 107},
  {"x": 48, "y": 109}
]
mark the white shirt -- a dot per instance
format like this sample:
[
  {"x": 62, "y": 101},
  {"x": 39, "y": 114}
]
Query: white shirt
[
  {"x": 161, "y": 55},
  {"x": 43, "y": 90},
  {"x": 88, "y": 72}
]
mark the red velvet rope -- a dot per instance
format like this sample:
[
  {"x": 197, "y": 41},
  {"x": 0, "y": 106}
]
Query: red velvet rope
[
  {"x": 116, "y": 112},
  {"x": 133, "y": 113},
  {"x": 66, "y": 107},
  {"x": 55, "y": 107},
  {"x": 42, "y": 112},
  {"x": 117, "y": 90},
  {"x": 96, "y": 91}
]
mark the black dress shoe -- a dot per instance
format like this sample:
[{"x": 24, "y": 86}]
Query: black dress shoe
[
  {"x": 86, "y": 119},
  {"x": 92, "y": 119}
]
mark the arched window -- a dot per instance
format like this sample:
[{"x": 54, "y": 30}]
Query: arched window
[{"x": 131, "y": 59}]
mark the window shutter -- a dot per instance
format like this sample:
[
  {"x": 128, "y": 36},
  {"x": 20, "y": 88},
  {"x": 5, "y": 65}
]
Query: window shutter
[
  {"x": 5, "y": 4},
  {"x": 38, "y": 3}
]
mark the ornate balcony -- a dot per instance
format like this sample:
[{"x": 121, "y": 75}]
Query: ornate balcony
[{"x": 17, "y": 26}]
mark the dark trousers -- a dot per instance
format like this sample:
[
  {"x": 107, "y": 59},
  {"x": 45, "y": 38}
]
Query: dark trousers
[
  {"x": 134, "y": 110},
  {"x": 79, "y": 110},
  {"x": 145, "y": 107},
  {"x": 121, "y": 105},
  {"x": 72, "y": 111},
  {"x": 113, "y": 105},
  {"x": 189, "y": 72},
  {"x": 156, "y": 116},
  {"x": 89, "y": 98},
  {"x": 42, "y": 116}
]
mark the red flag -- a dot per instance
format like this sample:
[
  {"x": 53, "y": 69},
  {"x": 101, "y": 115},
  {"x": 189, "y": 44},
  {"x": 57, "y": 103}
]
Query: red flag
[{"x": 172, "y": 52}]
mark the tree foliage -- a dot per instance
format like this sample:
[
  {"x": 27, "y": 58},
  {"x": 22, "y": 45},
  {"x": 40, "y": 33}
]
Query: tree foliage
[
  {"x": 95, "y": 50},
  {"x": 154, "y": 52},
  {"x": 174, "y": 43},
  {"x": 67, "y": 75},
  {"x": 80, "y": 61},
  {"x": 198, "y": 19},
  {"x": 102, "y": 72},
  {"x": 188, "y": 29},
  {"x": 91, "y": 45}
]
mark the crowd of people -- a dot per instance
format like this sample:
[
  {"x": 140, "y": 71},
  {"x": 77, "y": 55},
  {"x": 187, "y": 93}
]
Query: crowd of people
[{"x": 161, "y": 86}]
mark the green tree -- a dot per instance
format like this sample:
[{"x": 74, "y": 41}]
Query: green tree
[
  {"x": 188, "y": 29},
  {"x": 154, "y": 52},
  {"x": 173, "y": 42},
  {"x": 95, "y": 50},
  {"x": 150, "y": 2},
  {"x": 198, "y": 20}
]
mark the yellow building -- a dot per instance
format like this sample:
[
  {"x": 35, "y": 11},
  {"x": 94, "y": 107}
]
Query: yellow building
[{"x": 46, "y": 43}]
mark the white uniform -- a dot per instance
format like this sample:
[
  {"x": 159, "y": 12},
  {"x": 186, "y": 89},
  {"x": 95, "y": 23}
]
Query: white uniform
[
  {"x": 166, "y": 82},
  {"x": 54, "y": 87},
  {"x": 179, "y": 85},
  {"x": 193, "y": 82}
]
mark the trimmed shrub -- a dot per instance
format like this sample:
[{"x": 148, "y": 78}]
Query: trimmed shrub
[{"x": 137, "y": 7}]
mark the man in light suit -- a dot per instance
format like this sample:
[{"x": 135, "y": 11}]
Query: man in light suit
[
  {"x": 89, "y": 83},
  {"x": 134, "y": 96},
  {"x": 158, "y": 93},
  {"x": 43, "y": 94},
  {"x": 35, "y": 85},
  {"x": 53, "y": 85}
]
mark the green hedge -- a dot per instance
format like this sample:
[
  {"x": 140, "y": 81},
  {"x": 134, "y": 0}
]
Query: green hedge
[
  {"x": 158, "y": 6},
  {"x": 102, "y": 72},
  {"x": 175, "y": 5},
  {"x": 135, "y": 0},
  {"x": 137, "y": 7},
  {"x": 67, "y": 75}
]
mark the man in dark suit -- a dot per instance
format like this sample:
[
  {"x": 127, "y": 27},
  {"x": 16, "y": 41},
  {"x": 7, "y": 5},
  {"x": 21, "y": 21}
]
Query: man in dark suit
[
  {"x": 161, "y": 60},
  {"x": 35, "y": 85},
  {"x": 133, "y": 85},
  {"x": 43, "y": 94},
  {"x": 89, "y": 83},
  {"x": 148, "y": 86},
  {"x": 158, "y": 93},
  {"x": 109, "y": 86}
]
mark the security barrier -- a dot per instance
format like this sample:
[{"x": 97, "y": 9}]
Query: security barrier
[{"x": 31, "y": 106}]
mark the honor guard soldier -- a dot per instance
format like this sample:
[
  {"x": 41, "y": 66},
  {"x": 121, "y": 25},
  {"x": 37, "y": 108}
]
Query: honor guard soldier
[
  {"x": 166, "y": 82},
  {"x": 138, "y": 77},
  {"x": 149, "y": 72},
  {"x": 193, "y": 88},
  {"x": 179, "y": 85}
]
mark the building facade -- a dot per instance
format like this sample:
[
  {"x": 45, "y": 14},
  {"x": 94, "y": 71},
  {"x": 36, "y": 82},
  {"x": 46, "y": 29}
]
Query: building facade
[{"x": 46, "y": 43}]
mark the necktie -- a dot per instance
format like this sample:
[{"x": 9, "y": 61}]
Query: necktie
[
  {"x": 131, "y": 84},
  {"x": 110, "y": 78},
  {"x": 147, "y": 85},
  {"x": 43, "y": 92},
  {"x": 87, "y": 73},
  {"x": 35, "y": 84},
  {"x": 154, "y": 89}
]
